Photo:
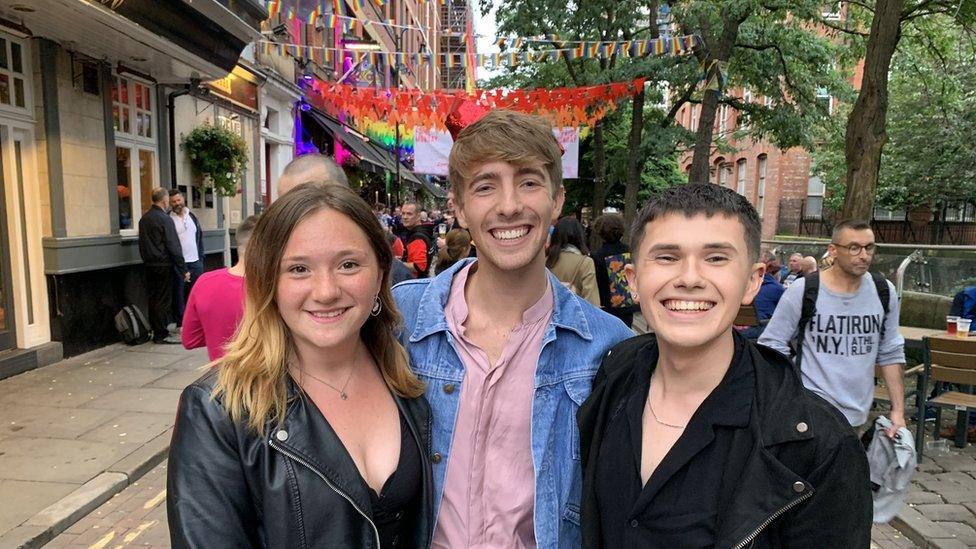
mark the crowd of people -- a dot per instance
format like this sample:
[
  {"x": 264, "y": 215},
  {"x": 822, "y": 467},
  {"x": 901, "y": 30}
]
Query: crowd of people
[{"x": 496, "y": 397}]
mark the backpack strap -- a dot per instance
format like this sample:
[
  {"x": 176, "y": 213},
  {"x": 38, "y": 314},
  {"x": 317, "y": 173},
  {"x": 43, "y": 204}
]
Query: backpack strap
[
  {"x": 884, "y": 294},
  {"x": 811, "y": 287}
]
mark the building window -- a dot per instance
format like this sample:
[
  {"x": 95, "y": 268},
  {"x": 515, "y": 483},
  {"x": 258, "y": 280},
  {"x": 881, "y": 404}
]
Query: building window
[
  {"x": 815, "y": 195},
  {"x": 725, "y": 174},
  {"x": 136, "y": 164},
  {"x": 694, "y": 118},
  {"x": 723, "y": 120},
  {"x": 824, "y": 100},
  {"x": 954, "y": 212},
  {"x": 133, "y": 109},
  {"x": 831, "y": 11},
  {"x": 760, "y": 184},
  {"x": 742, "y": 119},
  {"x": 885, "y": 214},
  {"x": 14, "y": 74},
  {"x": 740, "y": 169}
]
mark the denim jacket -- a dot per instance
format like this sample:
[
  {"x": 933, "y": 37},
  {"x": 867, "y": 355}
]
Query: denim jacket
[{"x": 577, "y": 337}]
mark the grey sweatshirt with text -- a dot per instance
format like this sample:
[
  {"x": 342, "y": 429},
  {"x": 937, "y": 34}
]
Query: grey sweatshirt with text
[{"x": 841, "y": 345}]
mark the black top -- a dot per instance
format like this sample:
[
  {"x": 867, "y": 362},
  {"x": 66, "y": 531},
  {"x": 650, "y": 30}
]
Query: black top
[
  {"x": 394, "y": 509},
  {"x": 159, "y": 245},
  {"x": 679, "y": 505}
]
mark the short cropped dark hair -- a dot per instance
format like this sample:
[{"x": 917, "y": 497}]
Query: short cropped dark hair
[
  {"x": 701, "y": 198},
  {"x": 174, "y": 192},
  {"x": 610, "y": 227},
  {"x": 852, "y": 224}
]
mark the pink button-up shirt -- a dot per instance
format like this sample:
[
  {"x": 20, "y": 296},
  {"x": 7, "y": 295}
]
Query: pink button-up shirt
[{"x": 489, "y": 488}]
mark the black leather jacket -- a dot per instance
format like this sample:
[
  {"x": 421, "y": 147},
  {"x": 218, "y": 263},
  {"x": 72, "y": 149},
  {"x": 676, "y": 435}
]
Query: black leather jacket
[
  {"x": 797, "y": 476},
  {"x": 296, "y": 487}
]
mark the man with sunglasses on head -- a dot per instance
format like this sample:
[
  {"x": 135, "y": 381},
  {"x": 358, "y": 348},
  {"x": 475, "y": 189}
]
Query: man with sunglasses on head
[{"x": 849, "y": 331}]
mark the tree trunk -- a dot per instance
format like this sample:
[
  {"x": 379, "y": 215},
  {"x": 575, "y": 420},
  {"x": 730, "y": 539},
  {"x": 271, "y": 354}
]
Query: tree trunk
[
  {"x": 721, "y": 52},
  {"x": 599, "y": 178},
  {"x": 634, "y": 161},
  {"x": 866, "y": 133}
]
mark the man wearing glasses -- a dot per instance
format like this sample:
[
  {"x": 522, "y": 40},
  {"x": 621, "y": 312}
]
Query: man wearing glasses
[{"x": 849, "y": 331}]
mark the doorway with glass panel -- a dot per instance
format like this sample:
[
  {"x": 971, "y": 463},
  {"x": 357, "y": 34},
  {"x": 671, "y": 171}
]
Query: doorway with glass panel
[{"x": 8, "y": 336}]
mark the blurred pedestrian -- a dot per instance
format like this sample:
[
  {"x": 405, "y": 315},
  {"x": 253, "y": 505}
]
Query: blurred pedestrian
[
  {"x": 809, "y": 265},
  {"x": 609, "y": 261},
  {"x": 310, "y": 432},
  {"x": 457, "y": 246},
  {"x": 216, "y": 303},
  {"x": 311, "y": 168},
  {"x": 568, "y": 259},
  {"x": 159, "y": 248},
  {"x": 190, "y": 233},
  {"x": 795, "y": 271}
]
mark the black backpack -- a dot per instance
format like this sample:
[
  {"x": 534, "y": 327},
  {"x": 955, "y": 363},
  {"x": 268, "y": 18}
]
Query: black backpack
[
  {"x": 810, "y": 290},
  {"x": 132, "y": 325}
]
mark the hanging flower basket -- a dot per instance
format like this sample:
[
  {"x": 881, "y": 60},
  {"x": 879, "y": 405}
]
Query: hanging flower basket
[{"x": 218, "y": 156}]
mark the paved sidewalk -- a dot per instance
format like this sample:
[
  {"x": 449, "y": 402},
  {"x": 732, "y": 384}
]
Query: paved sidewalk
[{"x": 77, "y": 432}]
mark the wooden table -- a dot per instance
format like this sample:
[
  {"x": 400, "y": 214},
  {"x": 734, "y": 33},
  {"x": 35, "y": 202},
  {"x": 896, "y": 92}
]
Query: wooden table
[
  {"x": 913, "y": 340},
  {"x": 913, "y": 336}
]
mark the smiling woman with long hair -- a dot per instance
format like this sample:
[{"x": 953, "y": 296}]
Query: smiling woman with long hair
[{"x": 312, "y": 431}]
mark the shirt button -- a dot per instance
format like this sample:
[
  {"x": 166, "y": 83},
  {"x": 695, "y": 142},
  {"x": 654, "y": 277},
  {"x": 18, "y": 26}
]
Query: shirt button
[
  {"x": 448, "y": 388},
  {"x": 799, "y": 487},
  {"x": 802, "y": 427},
  {"x": 282, "y": 435},
  {"x": 436, "y": 458},
  {"x": 634, "y": 523}
]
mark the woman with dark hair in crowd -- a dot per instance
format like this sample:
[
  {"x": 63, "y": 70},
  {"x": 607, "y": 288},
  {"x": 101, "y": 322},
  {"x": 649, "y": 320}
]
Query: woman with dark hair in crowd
[
  {"x": 568, "y": 259},
  {"x": 609, "y": 261},
  {"x": 312, "y": 431},
  {"x": 457, "y": 246}
]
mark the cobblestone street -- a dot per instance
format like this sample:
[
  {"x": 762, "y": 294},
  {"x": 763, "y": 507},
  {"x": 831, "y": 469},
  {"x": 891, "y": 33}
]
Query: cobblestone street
[{"x": 941, "y": 506}]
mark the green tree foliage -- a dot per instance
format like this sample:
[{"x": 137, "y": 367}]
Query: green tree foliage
[
  {"x": 770, "y": 47},
  {"x": 929, "y": 159}
]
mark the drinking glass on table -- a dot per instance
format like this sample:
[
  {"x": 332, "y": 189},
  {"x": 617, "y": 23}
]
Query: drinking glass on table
[
  {"x": 962, "y": 327},
  {"x": 951, "y": 324}
]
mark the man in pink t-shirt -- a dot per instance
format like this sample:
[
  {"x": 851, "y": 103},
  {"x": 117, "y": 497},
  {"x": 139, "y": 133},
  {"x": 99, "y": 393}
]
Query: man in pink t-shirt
[{"x": 216, "y": 302}]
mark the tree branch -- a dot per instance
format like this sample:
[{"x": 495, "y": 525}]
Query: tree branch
[{"x": 779, "y": 53}]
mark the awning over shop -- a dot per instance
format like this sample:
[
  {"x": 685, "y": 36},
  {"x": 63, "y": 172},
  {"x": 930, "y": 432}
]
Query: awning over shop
[
  {"x": 371, "y": 153},
  {"x": 172, "y": 41}
]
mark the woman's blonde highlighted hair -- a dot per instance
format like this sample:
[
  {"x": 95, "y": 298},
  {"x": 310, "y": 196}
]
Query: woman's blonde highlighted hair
[{"x": 252, "y": 380}]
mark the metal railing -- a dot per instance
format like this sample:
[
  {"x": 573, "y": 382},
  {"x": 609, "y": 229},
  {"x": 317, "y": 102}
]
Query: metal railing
[{"x": 936, "y": 269}]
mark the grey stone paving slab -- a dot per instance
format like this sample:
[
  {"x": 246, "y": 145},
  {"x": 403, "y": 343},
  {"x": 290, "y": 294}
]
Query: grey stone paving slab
[
  {"x": 958, "y": 477},
  {"x": 114, "y": 375},
  {"x": 957, "y": 462},
  {"x": 53, "y": 394},
  {"x": 944, "y": 512},
  {"x": 917, "y": 527},
  {"x": 142, "y": 360},
  {"x": 939, "y": 486},
  {"x": 141, "y": 399},
  {"x": 947, "y": 544},
  {"x": 916, "y": 495},
  {"x": 22, "y": 499},
  {"x": 49, "y": 421},
  {"x": 929, "y": 466},
  {"x": 963, "y": 532},
  {"x": 131, "y": 428},
  {"x": 962, "y": 495},
  {"x": 58, "y": 460},
  {"x": 178, "y": 379}
]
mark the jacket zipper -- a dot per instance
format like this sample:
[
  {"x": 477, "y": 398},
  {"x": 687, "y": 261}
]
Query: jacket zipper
[
  {"x": 330, "y": 485},
  {"x": 755, "y": 533}
]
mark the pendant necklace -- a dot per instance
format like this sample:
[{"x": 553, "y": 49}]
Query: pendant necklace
[{"x": 342, "y": 392}]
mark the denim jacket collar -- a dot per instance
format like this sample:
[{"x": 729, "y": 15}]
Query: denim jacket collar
[{"x": 567, "y": 312}]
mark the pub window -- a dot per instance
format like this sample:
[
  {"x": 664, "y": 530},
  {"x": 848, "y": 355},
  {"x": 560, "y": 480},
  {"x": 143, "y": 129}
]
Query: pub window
[
  {"x": 136, "y": 154},
  {"x": 15, "y": 90}
]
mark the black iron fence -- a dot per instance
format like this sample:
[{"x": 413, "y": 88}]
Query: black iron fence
[{"x": 892, "y": 231}]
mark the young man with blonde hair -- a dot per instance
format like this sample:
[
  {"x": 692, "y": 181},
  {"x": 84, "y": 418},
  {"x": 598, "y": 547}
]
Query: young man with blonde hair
[{"x": 507, "y": 352}]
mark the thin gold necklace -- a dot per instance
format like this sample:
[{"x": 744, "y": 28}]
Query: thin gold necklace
[
  {"x": 342, "y": 392},
  {"x": 657, "y": 419}
]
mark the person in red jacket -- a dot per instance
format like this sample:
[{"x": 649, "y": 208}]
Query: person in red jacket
[{"x": 216, "y": 302}]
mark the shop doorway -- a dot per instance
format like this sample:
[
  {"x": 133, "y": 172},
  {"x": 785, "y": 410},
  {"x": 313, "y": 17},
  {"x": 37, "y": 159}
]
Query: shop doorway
[{"x": 8, "y": 339}]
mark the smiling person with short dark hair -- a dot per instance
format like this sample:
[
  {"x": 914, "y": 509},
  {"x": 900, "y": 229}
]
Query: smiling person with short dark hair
[{"x": 694, "y": 437}]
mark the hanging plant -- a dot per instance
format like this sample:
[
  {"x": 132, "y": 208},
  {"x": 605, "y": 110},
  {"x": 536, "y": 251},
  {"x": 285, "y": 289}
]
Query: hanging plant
[{"x": 218, "y": 155}]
